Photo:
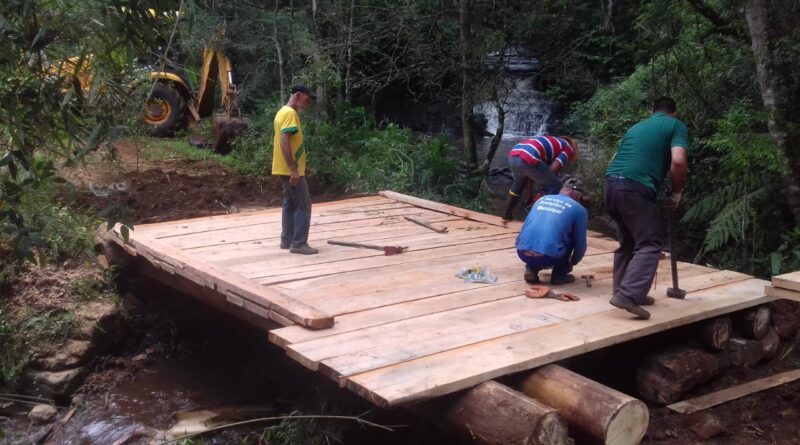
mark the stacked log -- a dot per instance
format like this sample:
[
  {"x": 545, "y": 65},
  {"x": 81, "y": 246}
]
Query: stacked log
[
  {"x": 786, "y": 323},
  {"x": 494, "y": 414},
  {"x": 713, "y": 334},
  {"x": 665, "y": 376},
  {"x": 744, "y": 352},
  {"x": 753, "y": 323},
  {"x": 770, "y": 344},
  {"x": 590, "y": 408}
]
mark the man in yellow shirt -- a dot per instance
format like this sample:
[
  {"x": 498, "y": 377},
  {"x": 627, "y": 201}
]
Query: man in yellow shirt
[{"x": 289, "y": 162}]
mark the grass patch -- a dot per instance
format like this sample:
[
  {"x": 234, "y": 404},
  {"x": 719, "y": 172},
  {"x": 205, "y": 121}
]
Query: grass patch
[{"x": 20, "y": 339}]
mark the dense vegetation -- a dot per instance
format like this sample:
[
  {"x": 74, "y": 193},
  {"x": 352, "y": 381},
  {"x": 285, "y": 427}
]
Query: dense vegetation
[{"x": 601, "y": 61}]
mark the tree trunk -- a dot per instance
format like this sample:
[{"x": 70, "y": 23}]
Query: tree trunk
[
  {"x": 745, "y": 352},
  {"x": 595, "y": 410},
  {"x": 665, "y": 376},
  {"x": 349, "y": 58},
  {"x": 773, "y": 30},
  {"x": 494, "y": 414},
  {"x": 770, "y": 344},
  {"x": 276, "y": 39},
  {"x": 753, "y": 323},
  {"x": 465, "y": 37}
]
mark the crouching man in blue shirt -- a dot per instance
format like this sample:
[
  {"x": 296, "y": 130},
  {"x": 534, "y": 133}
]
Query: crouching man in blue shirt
[{"x": 554, "y": 234}]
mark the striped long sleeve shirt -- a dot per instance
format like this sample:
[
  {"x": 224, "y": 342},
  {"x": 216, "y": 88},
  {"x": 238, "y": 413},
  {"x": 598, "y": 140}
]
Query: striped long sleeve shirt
[{"x": 547, "y": 149}]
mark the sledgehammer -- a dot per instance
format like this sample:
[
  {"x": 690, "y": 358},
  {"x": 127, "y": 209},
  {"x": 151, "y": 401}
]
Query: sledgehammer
[
  {"x": 674, "y": 291},
  {"x": 387, "y": 250}
]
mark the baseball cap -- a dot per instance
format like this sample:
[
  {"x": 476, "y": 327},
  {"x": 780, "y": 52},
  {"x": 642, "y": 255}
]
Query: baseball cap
[{"x": 300, "y": 88}]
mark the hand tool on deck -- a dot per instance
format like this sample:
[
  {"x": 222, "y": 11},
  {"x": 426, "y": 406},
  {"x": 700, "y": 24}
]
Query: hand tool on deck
[
  {"x": 387, "y": 250},
  {"x": 588, "y": 278},
  {"x": 426, "y": 225},
  {"x": 540, "y": 291},
  {"x": 674, "y": 291}
]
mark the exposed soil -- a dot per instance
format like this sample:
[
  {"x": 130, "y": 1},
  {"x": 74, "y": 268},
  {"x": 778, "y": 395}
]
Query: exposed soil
[{"x": 172, "y": 189}]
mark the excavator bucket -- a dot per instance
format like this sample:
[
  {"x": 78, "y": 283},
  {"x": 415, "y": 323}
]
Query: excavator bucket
[{"x": 225, "y": 129}]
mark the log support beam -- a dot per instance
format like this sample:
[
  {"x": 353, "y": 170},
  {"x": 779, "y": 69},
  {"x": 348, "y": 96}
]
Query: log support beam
[{"x": 591, "y": 409}]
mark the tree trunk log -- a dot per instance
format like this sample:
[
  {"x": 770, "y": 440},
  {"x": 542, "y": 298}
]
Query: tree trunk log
[
  {"x": 589, "y": 407},
  {"x": 770, "y": 344},
  {"x": 494, "y": 414},
  {"x": 713, "y": 334},
  {"x": 753, "y": 323},
  {"x": 665, "y": 376},
  {"x": 786, "y": 324},
  {"x": 745, "y": 352},
  {"x": 773, "y": 27}
]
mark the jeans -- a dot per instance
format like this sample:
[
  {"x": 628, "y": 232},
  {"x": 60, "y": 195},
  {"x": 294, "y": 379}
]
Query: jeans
[
  {"x": 633, "y": 206},
  {"x": 539, "y": 173},
  {"x": 561, "y": 266},
  {"x": 296, "y": 216}
]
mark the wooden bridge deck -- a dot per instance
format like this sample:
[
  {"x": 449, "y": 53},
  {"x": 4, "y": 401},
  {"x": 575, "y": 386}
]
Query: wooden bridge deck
[{"x": 402, "y": 328}]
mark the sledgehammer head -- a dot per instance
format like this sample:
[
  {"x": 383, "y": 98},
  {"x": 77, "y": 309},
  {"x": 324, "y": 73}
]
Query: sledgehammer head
[{"x": 676, "y": 293}]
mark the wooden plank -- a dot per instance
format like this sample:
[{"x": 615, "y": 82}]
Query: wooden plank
[
  {"x": 396, "y": 274},
  {"x": 277, "y": 262},
  {"x": 234, "y": 220},
  {"x": 424, "y": 282},
  {"x": 271, "y": 236},
  {"x": 378, "y": 234},
  {"x": 728, "y": 394},
  {"x": 437, "y": 297},
  {"x": 789, "y": 281},
  {"x": 444, "y": 208},
  {"x": 415, "y": 239},
  {"x": 461, "y": 368},
  {"x": 778, "y": 292},
  {"x": 262, "y": 228},
  {"x": 347, "y": 356},
  {"x": 225, "y": 282},
  {"x": 255, "y": 271}
]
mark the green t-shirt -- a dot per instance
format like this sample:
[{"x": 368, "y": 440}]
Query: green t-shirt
[{"x": 645, "y": 154}]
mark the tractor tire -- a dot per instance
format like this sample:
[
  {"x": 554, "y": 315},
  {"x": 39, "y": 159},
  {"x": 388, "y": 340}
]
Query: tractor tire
[{"x": 165, "y": 110}]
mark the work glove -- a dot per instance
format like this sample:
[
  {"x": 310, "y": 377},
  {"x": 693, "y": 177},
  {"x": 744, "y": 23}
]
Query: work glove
[{"x": 674, "y": 200}]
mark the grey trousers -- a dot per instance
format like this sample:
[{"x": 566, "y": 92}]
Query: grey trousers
[
  {"x": 296, "y": 216},
  {"x": 633, "y": 206}
]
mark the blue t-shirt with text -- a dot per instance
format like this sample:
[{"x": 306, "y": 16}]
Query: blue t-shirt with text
[{"x": 555, "y": 223}]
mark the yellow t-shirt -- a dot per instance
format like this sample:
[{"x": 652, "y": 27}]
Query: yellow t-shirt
[{"x": 287, "y": 121}]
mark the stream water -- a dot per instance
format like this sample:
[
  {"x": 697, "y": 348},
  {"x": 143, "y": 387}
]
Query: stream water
[{"x": 207, "y": 359}]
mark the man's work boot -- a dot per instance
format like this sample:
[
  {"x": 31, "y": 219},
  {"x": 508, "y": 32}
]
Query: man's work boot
[
  {"x": 633, "y": 308},
  {"x": 304, "y": 250},
  {"x": 531, "y": 276},
  {"x": 511, "y": 204},
  {"x": 648, "y": 301},
  {"x": 564, "y": 279},
  {"x": 285, "y": 246}
]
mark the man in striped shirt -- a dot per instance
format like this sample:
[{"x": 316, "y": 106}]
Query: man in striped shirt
[{"x": 538, "y": 159}]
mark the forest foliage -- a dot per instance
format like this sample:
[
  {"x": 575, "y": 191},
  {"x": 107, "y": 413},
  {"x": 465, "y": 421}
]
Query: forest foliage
[{"x": 602, "y": 62}]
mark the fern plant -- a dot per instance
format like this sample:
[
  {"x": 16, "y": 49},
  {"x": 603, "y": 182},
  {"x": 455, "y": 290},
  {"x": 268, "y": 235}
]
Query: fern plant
[{"x": 734, "y": 210}]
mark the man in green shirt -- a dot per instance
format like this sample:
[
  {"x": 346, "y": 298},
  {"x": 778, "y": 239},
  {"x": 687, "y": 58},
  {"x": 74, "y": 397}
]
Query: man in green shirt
[{"x": 646, "y": 153}]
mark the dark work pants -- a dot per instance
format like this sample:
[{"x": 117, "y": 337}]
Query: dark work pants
[
  {"x": 561, "y": 266},
  {"x": 296, "y": 216},
  {"x": 633, "y": 206}
]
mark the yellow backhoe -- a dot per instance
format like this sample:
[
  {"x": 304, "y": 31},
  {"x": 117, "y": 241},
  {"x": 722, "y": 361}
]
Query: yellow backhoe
[{"x": 171, "y": 104}]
